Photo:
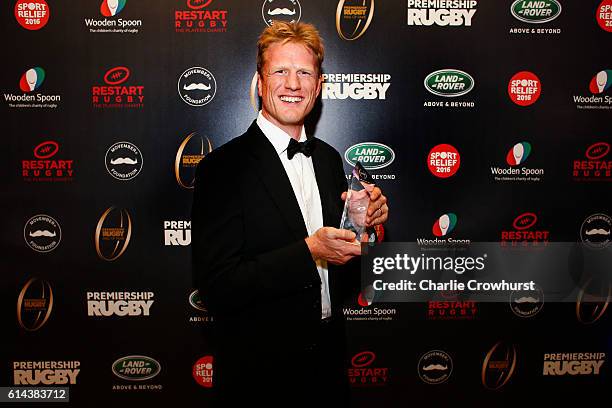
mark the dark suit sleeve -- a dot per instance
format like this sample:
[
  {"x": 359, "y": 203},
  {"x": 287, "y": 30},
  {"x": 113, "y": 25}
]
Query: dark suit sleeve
[{"x": 231, "y": 281}]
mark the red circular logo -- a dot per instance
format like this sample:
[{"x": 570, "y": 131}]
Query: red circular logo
[
  {"x": 604, "y": 15},
  {"x": 363, "y": 359},
  {"x": 46, "y": 149},
  {"x": 524, "y": 88},
  {"x": 117, "y": 75},
  {"x": 597, "y": 151},
  {"x": 443, "y": 161},
  {"x": 203, "y": 371},
  {"x": 524, "y": 221},
  {"x": 198, "y": 4},
  {"x": 32, "y": 14}
]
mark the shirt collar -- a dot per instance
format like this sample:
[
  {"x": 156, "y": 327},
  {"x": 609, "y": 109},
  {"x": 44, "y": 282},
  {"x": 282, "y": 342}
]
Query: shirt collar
[{"x": 278, "y": 137}]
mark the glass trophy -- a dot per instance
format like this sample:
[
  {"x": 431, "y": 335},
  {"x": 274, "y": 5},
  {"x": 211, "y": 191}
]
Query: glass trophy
[{"x": 357, "y": 201}]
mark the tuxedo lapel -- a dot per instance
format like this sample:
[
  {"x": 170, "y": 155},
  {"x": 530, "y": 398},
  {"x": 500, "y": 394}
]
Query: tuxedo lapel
[
  {"x": 324, "y": 183},
  {"x": 267, "y": 164}
]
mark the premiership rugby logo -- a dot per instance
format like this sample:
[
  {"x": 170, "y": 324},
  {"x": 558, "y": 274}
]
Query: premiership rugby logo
[
  {"x": 356, "y": 17},
  {"x": 136, "y": 368},
  {"x": 34, "y": 304},
  {"x": 441, "y": 12},
  {"x": 192, "y": 149},
  {"x": 498, "y": 366},
  {"x": 535, "y": 11},
  {"x": 371, "y": 155},
  {"x": 113, "y": 233},
  {"x": 449, "y": 83}
]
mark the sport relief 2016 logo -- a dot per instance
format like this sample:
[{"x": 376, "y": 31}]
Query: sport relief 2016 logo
[
  {"x": 197, "y": 17},
  {"x": 443, "y": 161},
  {"x": 599, "y": 86},
  {"x": 32, "y": 14},
  {"x": 111, "y": 23},
  {"x": 535, "y": 14},
  {"x": 524, "y": 88},
  {"x": 46, "y": 167},
  {"x": 595, "y": 165},
  {"x": 524, "y": 232},
  {"x": 116, "y": 95},
  {"x": 202, "y": 371},
  {"x": 516, "y": 156},
  {"x": 281, "y": 10},
  {"x": 441, "y": 13},
  {"x": 30, "y": 83},
  {"x": 603, "y": 15},
  {"x": 449, "y": 83}
]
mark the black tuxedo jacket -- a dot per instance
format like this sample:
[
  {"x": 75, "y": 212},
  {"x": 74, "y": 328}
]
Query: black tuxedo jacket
[{"x": 252, "y": 265}]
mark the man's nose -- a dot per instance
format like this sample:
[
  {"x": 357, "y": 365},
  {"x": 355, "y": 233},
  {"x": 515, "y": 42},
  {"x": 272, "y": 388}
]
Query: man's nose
[{"x": 292, "y": 81}]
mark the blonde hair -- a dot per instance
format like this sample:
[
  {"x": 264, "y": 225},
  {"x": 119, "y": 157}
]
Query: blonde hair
[{"x": 284, "y": 32}]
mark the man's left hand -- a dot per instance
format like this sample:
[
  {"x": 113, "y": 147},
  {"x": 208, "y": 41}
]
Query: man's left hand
[{"x": 378, "y": 211}]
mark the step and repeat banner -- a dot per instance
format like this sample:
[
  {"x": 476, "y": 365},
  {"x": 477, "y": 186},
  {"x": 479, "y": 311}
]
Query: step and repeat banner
[{"x": 482, "y": 121}]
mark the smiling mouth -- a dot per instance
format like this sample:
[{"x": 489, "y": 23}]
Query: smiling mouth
[{"x": 291, "y": 99}]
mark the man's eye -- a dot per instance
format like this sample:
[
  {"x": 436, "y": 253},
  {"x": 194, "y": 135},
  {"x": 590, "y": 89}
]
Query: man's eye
[{"x": 305, "y": 73}]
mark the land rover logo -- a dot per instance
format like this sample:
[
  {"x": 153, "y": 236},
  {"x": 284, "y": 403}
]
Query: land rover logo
[
  {"x": 136, "y": 368},
  {"x": 371, "y": 155},
  {"x": 449, "y": 83},
  {"x": 535, "y": 11},
  {"x": 196, "y": 301}
]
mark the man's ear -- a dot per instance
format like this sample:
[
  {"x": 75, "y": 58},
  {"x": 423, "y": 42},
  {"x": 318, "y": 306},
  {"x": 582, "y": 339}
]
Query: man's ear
[
  {"x": 259, "y": 85},
  {"x": 319, "y": 84}
]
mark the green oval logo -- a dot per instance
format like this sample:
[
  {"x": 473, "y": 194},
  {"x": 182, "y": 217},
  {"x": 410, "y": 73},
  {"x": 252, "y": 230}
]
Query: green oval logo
[
  {"x": 196, "y": 301},
  {"x": 536, "y": 11},
  {"x": 136, "y": 368},
  {"x": 371, "y": 155},
  {"x": 449, "y": 83}
]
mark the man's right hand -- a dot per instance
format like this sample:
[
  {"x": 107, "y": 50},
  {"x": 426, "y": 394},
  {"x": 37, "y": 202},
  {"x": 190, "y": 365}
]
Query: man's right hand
[{"x": 336, "y": 246}]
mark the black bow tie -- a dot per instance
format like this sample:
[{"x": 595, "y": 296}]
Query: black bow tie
[{"x": 305, "y": 148}]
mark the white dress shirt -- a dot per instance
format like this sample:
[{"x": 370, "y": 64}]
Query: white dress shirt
[{"x": 300, "y": 172}]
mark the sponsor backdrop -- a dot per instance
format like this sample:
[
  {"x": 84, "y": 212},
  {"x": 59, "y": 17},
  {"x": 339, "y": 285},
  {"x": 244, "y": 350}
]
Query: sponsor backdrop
[{"x": 481, "y": 120}]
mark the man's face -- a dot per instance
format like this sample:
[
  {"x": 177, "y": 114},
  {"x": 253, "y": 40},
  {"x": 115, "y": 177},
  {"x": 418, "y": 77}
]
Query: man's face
[{"x": 289, "y": 85}]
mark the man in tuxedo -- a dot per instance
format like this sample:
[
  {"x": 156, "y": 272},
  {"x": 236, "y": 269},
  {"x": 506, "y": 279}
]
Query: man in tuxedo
[{"x": 268, "y": 260}]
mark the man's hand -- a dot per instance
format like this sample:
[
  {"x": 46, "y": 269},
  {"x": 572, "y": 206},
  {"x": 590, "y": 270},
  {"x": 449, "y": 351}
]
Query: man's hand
[
  {"x": 336, "y": 246},
  {"x": 378, "y": 211}
]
